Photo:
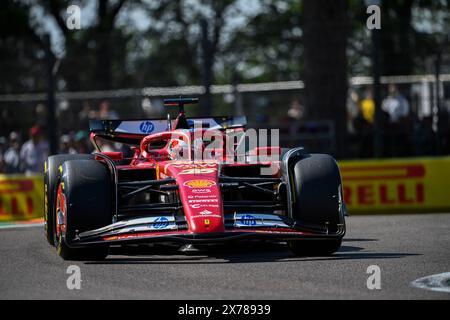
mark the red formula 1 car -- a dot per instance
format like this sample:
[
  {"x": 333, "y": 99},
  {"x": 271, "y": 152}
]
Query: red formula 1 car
[{"x": 175, "y": 188}]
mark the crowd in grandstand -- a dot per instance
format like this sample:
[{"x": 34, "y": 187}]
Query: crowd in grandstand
[{"x": 26, "y": 153}]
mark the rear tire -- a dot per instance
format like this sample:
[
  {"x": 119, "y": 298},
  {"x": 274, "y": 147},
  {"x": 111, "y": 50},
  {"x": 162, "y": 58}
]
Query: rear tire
[
  {"x": 86, "y": 189},
  {"x": 317, "y": 202},
  {"x": 51, "y": 174}
]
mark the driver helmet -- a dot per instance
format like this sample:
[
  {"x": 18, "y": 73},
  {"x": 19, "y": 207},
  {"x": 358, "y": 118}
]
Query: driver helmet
[{"x": 177, "y": 149}]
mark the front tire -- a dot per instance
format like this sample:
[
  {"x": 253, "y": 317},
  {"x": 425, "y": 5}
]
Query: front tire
[
  {"x": 83, "y": 203},
  {"x": 51, "y": 174},
  {"x": 317, "y": 202}
]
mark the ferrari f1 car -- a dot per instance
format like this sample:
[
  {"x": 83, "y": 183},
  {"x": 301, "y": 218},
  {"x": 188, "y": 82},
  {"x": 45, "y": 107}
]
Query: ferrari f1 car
[{"x": 164, "y": 192}]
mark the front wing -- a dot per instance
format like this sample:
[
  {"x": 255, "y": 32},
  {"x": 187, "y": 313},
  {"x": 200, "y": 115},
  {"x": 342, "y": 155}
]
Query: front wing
[{"x": 173, "y": 229}]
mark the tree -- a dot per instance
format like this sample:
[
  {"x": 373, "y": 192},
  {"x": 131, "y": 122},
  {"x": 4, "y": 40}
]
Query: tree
[
  {"x": 189, "y": 38},
  {"x": 210, "y": 46},
  {"x": 21, "y": 63},
  {"x": 325, "y": 62},
  {"x": 396, "y": 37},
  {"x": 90, "y": 53},
  {"x": 21, "y": 50},
  {"x": 269, "y": 47}
]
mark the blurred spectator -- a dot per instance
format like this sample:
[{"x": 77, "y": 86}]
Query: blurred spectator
[
  {"x": 40, "y": 115},
  {"x": 398, "y": 137},
  {"x": 152, "y": 108},
  {"x": 295, "y": 113},
  {"x": 105, "y": 113},
  {"x": 353, "y": 111},
  {"x": 82, "y": 142},
  {"x": 395, "y": 104},
  {"x": 34, "y": 152},
  {"x": 67, "y": 118},
  {"x": 65, "y": 145},
  {"x": 368, "y": 106},
  {"x": 86, "y": 113},
  {"x": 12, "y": 155}
]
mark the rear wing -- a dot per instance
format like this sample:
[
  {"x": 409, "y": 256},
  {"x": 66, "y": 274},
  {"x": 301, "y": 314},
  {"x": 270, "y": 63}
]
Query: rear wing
[{"x": 149, "y": 126}]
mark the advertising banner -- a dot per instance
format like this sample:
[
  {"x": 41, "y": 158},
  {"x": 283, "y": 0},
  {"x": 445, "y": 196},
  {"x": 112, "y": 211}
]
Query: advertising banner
[
  {"x": 398, "y": 185},
  {"x": 21, "y": 197}
]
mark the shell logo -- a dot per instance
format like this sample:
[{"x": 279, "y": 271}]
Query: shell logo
[{"x": 199, "y": 183}]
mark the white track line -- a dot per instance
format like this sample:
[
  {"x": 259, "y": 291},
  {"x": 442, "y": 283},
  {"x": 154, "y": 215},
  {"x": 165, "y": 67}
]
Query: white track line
[
  {"x": 437, "y": 282},
  {"x": 24, "y": 225}
]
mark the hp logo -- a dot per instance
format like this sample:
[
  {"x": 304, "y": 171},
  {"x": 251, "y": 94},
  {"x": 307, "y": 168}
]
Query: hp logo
[
  {"x": 147, "y": 127},
  {"x": 248, "y": 220},
  {"x": 161, "y": 223}
]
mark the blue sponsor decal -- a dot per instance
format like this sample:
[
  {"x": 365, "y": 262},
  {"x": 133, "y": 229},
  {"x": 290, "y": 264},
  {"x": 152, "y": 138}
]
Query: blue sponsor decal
[
  {"x": 147, "y": 127},
  {"x": 248, "y": 220},
  {"x": 161, "y": 223}
]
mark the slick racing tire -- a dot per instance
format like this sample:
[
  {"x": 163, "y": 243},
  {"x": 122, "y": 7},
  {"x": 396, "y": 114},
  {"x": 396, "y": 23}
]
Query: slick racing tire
[
  {"x": 51, "y": 172},
  {"x": 317, "y": 202},
  {"x": 83, "y": 203}
]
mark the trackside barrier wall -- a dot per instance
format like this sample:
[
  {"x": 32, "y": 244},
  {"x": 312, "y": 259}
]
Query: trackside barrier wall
[{"x": 370, "y": 186}]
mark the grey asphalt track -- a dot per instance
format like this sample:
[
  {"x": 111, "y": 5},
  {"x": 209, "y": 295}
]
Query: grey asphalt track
[{"x": 405, "y": 247}]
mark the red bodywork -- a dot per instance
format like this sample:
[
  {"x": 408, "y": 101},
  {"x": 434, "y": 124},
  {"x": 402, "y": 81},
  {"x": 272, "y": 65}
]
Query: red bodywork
[{"x": 198, "y": 181}]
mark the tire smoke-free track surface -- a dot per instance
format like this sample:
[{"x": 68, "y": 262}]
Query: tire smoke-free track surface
[{"x": 405, "y": 247}]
